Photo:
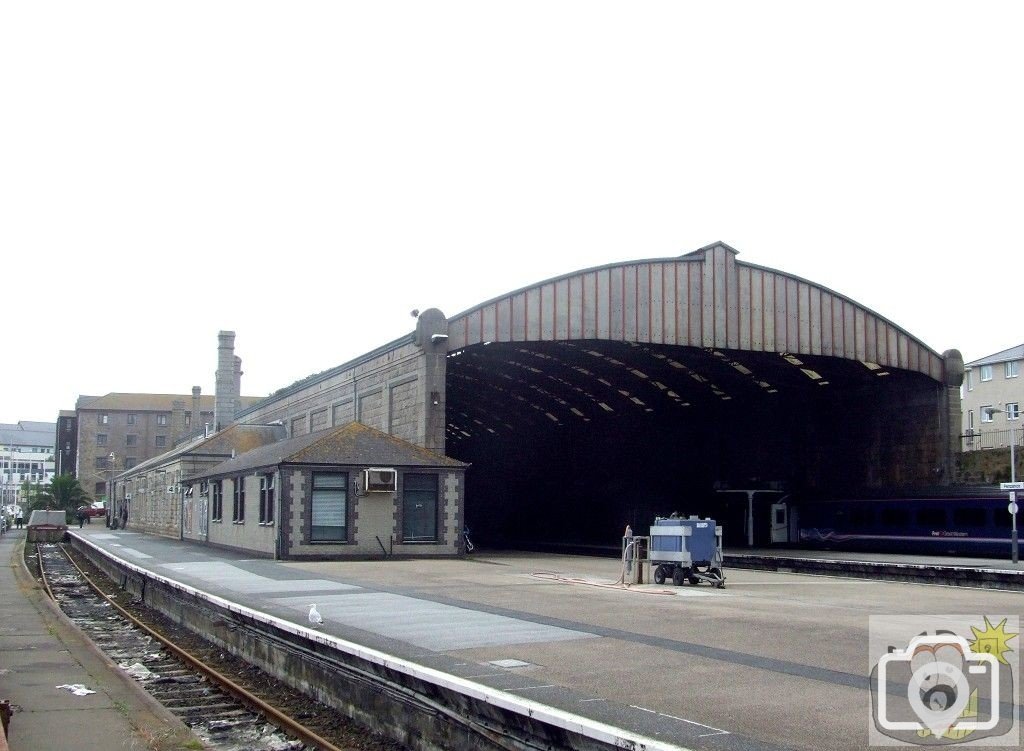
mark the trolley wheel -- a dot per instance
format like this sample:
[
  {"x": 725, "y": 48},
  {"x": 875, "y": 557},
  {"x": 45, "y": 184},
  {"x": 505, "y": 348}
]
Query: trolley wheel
[
  {"x": 679, "y": 575},
  {"x": 720, "y": 584},
  {"x": 659, "y": 574},
  {"x": 694, "y": 580}
]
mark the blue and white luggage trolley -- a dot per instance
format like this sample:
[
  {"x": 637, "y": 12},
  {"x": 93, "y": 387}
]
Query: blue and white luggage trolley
[{"x": 686, "y": 550}]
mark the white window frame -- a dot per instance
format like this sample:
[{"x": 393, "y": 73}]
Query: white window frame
[
  {"x": 970, "y": 380},
  {"x": 1012, "y": 410},
  {"x": 986, "y": 373},
  {"x": 986, "y": 415},
  {"x": 1011, "y": 368}
]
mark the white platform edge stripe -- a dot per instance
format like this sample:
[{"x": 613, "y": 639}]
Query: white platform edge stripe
[{"x": 585, "y": 726}]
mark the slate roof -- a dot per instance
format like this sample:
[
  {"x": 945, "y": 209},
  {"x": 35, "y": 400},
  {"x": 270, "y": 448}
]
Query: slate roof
[
  {"x": 1013, "y": 353},
  {"x": 237, "y": 438},
  {"x": 353, "y": 444},
  {"x": 152, "y": 402}
]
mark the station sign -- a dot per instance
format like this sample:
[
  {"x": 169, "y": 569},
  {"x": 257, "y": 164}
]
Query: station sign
[{"x": 1011, "y": 486}]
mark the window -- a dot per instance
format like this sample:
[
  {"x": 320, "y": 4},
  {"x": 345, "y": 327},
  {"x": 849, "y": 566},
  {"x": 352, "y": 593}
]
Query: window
[
  {"x": 931, "y": 517},
  {"x": 970, "y": 419},
  {"x": 970, "y": 380},
  {"x": 1012, "y": 411},
  {"x": 969, "y": 517},
  {"x": 329, "y": 507},
  {"x": 188, "y": 419},
  {"x": 1011, "y": 369},
  {"x": 986, "y": 412},
  {"x": 102, "y": 462},
  {"x": 101, "y": 439},
  {"x": 103, "y": 419},
  {"x": 131, "y": 439},
  {"x": 238, "y": 501},
  {"x": 130, "y": 461},
  {"x": 101, "y": 488},
  {"x": 161, "y": 420},
  {"x": 419, "y": 508},
  {"x": 161, "y": 441},
  {"x": 895, "y": 516},
  {"x": 131, "y": 419},
  {"x": 986, "y": 372},
  {"x": 267, "y": 499},
  {"x": 216, "y": 501}
]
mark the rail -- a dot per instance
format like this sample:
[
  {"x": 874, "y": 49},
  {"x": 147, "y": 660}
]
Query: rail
[{"x": 273, "y": 715}]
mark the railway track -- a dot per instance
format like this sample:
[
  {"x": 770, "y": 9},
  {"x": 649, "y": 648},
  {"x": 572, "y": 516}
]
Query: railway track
[{"x": 220, "y": 710}]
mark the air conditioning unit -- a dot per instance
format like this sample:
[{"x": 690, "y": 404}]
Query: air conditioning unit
[{"x": 380, "y": 480}]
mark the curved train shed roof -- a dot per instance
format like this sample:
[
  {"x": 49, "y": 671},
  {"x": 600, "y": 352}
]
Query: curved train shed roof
[{"x": 705, "y": 299}]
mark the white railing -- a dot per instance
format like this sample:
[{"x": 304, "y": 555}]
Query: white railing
[{"x": 991, "y": 439}]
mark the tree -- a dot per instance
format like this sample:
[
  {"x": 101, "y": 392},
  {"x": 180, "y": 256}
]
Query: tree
[
  {"x": 30, "y": 492},
  {"x": 62, "y": 492}
]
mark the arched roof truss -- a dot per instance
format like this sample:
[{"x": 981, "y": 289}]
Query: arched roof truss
[{"x": 706, "y": 299}]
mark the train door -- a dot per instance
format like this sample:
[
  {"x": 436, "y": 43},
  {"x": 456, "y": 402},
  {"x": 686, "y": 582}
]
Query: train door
[{"x": 780, "y": 523}]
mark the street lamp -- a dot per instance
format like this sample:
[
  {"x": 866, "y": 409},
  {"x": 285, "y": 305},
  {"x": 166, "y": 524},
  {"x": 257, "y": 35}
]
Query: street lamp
[
  {"x": 1013, "y": 480},
  {"x": 110, "y": 490}
]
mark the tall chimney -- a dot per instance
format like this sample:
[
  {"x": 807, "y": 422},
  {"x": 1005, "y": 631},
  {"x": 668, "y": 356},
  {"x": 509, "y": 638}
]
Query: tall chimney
[
  {"x": 197, "y": 408},
  {"x": 227, "y": 383}
]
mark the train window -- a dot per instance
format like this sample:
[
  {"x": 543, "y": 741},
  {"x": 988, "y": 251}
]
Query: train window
[
  {"x": 1001, "y": 518},
  {"x": 931, "y": 517},
  {"x": 862, "y": 517},
  {"x": 895, "y": 516},
  {"x": 969, "y": 517}
]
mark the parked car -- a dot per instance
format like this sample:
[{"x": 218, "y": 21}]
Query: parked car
[{"x": 99, "y": 508}]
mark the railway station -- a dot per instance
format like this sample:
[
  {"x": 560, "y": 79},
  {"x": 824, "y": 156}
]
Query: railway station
[
  {"x": 515, "y": 650},
  {"x": 698, "y": 384}
]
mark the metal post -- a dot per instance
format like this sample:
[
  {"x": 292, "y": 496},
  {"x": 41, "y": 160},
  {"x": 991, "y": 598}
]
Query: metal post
[{"x": 1013, "y": 478}]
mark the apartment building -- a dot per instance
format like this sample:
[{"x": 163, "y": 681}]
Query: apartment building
[{"x": 991, "y": 395}]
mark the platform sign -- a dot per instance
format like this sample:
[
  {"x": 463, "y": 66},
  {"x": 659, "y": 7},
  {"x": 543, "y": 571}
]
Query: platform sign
[{"x": 1011, "y": 486}]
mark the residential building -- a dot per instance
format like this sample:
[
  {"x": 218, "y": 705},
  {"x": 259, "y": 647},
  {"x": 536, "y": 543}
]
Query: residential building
[
  {"x": 26, "y": 455},
  {"x": 991, "y": 398},
  {"x": 117, "y": 431}
]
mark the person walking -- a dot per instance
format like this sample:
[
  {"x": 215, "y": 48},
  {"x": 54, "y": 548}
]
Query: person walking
[{"x": 81, "y": 517}]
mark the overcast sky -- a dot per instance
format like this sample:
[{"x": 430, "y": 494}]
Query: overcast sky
[{"x": 305, "y": 174}]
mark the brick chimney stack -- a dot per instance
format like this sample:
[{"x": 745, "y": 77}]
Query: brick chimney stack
[{"x": 197, "y": 408}]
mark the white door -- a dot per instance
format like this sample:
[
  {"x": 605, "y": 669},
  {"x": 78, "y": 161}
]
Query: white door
[{"x": 780, "y": 523}]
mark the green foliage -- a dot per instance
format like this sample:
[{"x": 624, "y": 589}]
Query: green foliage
[
  {"x": 30, "y": 492},
  {"x": 62, "y": 492}
]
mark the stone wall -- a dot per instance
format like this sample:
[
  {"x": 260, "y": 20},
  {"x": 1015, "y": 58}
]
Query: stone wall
[{"x": 398, "y": 389}]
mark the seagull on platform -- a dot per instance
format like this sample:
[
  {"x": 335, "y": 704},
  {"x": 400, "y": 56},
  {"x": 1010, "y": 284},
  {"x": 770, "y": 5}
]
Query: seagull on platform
[{"x": 314, "y": 615}]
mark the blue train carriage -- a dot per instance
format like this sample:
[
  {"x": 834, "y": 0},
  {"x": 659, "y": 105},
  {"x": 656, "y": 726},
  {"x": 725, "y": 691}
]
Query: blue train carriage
[
  {"x": 686, "y": 550},
  {"x": 962, "y": 521}
]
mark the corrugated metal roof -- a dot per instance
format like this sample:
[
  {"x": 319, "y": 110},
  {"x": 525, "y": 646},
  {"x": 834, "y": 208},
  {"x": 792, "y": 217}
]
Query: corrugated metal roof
[
  {"x": 353, "y": 444},
  {"x": 151, "y": 402},
  {"x": 1013, "y": 353},
  {"x": 41, "y": 434}
]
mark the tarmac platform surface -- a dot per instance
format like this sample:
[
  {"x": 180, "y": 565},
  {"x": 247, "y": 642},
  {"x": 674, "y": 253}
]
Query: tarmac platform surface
[
  {"x": 773, "y": 661},
  {"x": 41, "y": 650}
]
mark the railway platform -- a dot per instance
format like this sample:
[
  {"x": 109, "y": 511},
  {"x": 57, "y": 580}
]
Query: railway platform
[
  {"x": 40, "y": 651},
  {"x": 776, "y": 660},
  {"x": 995, "y": 573}
]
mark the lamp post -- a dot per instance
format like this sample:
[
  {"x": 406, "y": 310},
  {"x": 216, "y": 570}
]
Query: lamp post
[
  {"x": 1013, "y": 485},
  {"x": 110, "y": 490}
]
